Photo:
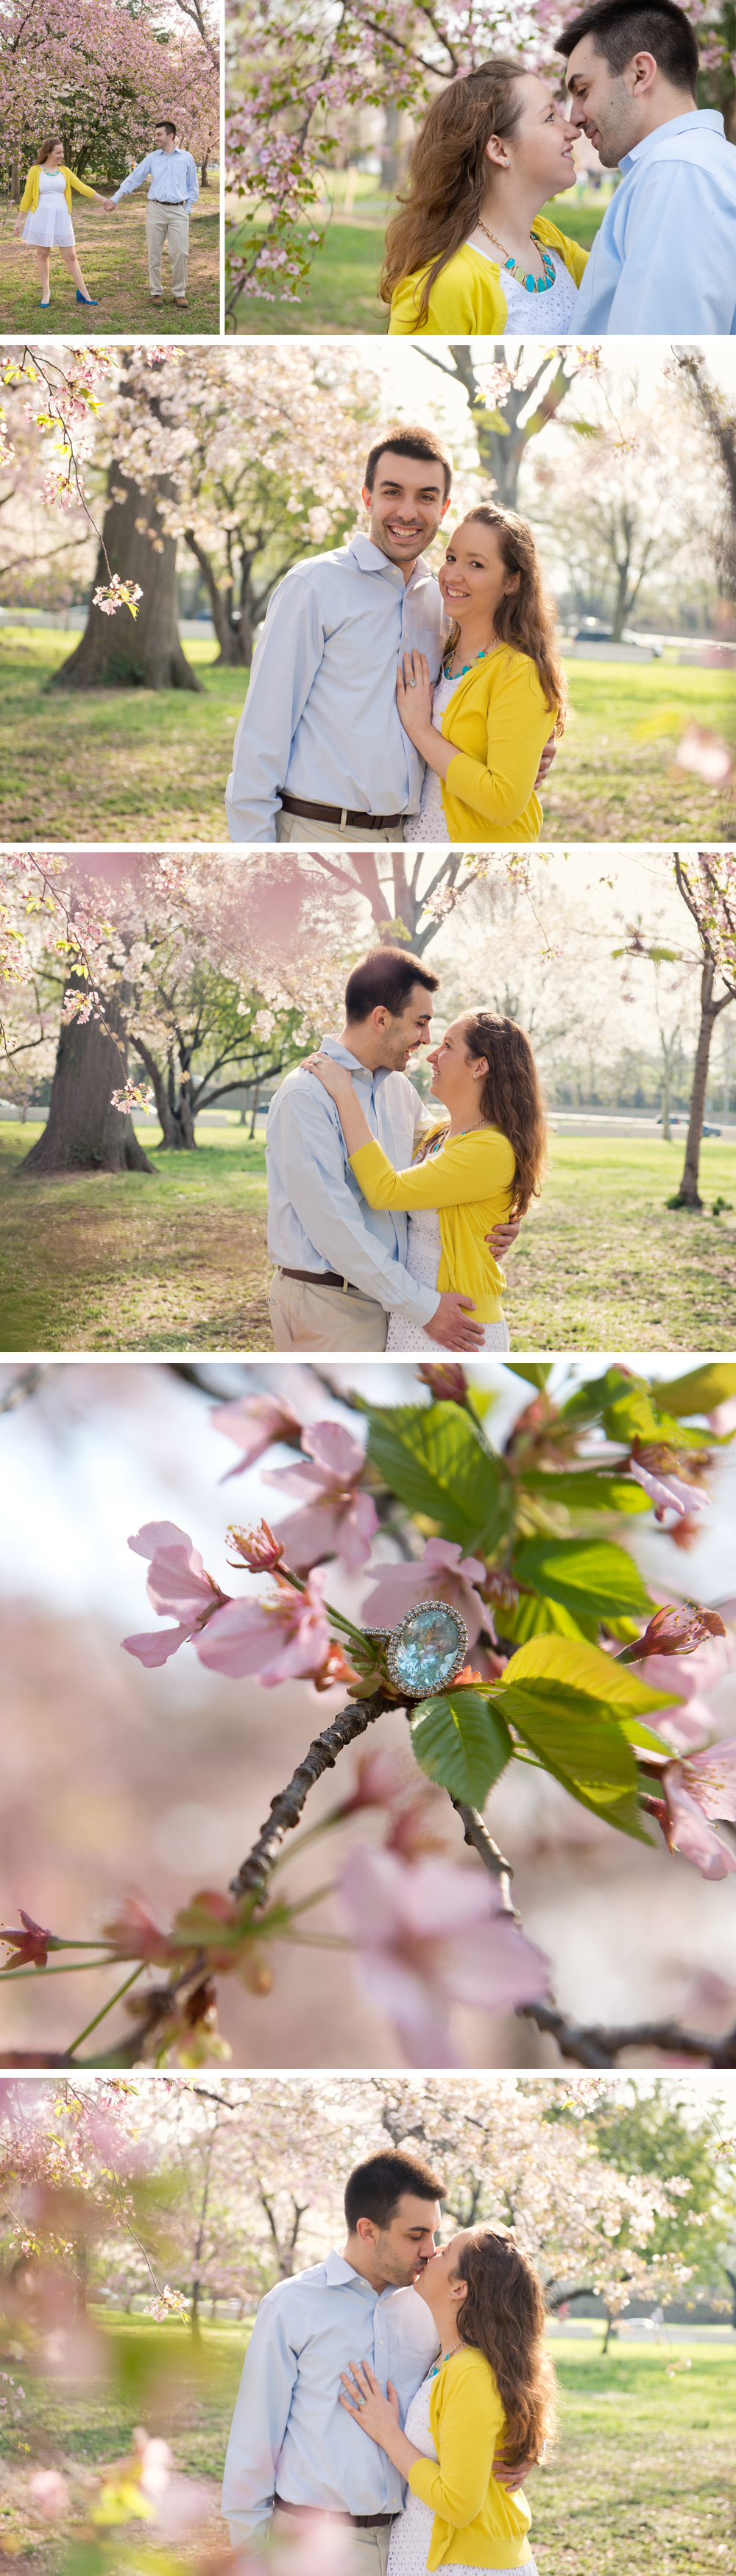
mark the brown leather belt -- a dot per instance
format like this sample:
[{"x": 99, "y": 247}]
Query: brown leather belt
[
  {"x": 321, "y": 1279},
  {"x": 340, "y": 814},
  {"x": 360, "y": 2521}
]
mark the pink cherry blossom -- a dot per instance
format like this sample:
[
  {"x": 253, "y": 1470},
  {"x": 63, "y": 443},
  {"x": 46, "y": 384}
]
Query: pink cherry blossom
[
  {"x": 655, "y": 1469},
  {"x": 702, "y": 1787},
  {"x": 430, "y": 1935},
  {"x": 177, "y": 1582},
  {"x": 337, "y": 1520},
  {"x": 254, "y": 1422},
  {"x": 278, "y": 1637},
  {"x": 442, "y": 1574},
  {"x": 675, "y": 1629},
  {"x": 691, "y": 1716}
]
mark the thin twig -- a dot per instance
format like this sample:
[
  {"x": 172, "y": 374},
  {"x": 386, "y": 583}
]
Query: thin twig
[
  {"x": 493, "y": 1860},
  {"x": 288, "y": 1806},
  {"x": 597, "y": 2046}
]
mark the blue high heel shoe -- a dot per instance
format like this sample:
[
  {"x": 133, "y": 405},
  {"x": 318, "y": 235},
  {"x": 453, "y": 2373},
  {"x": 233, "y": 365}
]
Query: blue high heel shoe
[
  {"x": 87, "y": 299},
  {"x": 44, "y": 303}
]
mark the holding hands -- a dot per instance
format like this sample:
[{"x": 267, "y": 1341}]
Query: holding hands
[{"x": 414, "y": 694}]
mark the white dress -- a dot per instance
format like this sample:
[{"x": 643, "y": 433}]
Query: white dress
[
  {"x": 422, "y": 1262},
  {"x": 535, "y": 316},
  {"x": 429, "y": 824},
  {"x": 411, "y": 2533},
  {"x": 50, "y": 227}
]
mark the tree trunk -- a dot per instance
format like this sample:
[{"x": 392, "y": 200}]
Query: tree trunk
[
  {"x": 688, "y": 1194},
  {"x": 393, "y": 149},
  {"x": 203, "y": 172},
  {"x": 176, "y": 1128},
  {"x": 84, "y": 1133},
  {"x": 229, "y": 636},
  {"x": 124, "y": 652}
]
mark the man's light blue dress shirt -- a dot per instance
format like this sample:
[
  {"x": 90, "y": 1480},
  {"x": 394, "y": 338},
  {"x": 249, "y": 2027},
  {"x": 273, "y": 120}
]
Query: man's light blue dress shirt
[
  {"x": 290, "y": 2436},
  {"x": 172, "y": 175},
  {"x": 665, "y": 256},
  {"x": 317, "y": 1217},
  {"x": 320, "y": 716}
]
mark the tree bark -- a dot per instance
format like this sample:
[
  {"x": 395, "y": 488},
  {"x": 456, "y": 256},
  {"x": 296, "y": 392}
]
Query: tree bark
[
  {"x": 688, "y": 1194},
  {"x": 230, "y": 637},
  {"x": 83, "y": 1132},
  {"x": 125, "y": 652},
  {"x": 177, "y": 1126}
]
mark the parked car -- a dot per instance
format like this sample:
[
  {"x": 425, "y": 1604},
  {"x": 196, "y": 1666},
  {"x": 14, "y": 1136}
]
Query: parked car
[{"x": 676, "y": 1121}]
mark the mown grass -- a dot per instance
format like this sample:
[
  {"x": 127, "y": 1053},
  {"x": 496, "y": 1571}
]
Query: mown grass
[
  {"x": 640, "y": 2478},
  {"x": 140, "y": 764},
  {"x": 340, "y": 294},
  {"x": 178, "y": 1261},
  {"x": 114, "y": 263}
]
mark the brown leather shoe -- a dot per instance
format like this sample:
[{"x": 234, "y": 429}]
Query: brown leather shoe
[
  {"x": 157, "y": 299},
  {"x": 182, "y": 302}
]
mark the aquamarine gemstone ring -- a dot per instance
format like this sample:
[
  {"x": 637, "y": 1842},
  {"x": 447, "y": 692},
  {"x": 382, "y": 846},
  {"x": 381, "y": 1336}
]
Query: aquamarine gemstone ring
[{"x": 427, "y": 1650}]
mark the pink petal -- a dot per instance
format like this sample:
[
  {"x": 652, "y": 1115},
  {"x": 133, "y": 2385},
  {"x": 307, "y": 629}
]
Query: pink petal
[
  {"x": 693, "y": 1836},
  {"x": 157, "y": 1645},
  {"x": 711, "y": 1778},
  {"x": 240, "y": 1638},
  {"x": 254, "y": 1422},
  {"x": 499, "y": 1969},
  {"x": 335, "y": 1451},
  {"x": 443, "y": 1554},
  {"x": 401, "y": 1995},
  {"x": 177, "y": 1579}
]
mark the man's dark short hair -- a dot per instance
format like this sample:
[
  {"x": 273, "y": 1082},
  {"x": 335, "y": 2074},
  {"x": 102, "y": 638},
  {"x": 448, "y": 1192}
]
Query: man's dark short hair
[
  {"x": 164, "y": 121},
  {"x": 417, "y": 443},
  {"x": 375, "y": 2188},
  {"x": 620, "y": 29},
  {"x": 384, "y": 981}
]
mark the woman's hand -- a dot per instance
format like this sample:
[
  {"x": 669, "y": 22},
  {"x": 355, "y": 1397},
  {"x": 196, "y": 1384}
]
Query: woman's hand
[
  {"x": 18, "y": 228},
  {"x": 378, "y": 2415},
  {"x": 414, "y": 694},
  {"x": 334, "y": 1078}
]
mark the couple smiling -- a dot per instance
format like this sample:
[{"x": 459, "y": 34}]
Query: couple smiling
[
  {"x": 397, "y": 2392},
  {"x": 388, "y": 705},
  {"x": 388, "y": 1225}
]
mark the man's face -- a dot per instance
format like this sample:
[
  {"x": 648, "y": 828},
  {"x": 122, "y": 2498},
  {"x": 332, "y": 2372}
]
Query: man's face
[
  {"x": 400, "y": 1037},
  {"x": 402, "y": 2249},
  {"x": 162, "y": 137},
  {"x": 611, "y": 107},
  {"x": 406, "y": 505}
]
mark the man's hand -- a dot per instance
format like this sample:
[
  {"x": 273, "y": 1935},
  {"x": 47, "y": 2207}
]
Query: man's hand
[
  {"x": 512, "y": 2478},
  {"x": 502, "y": 1238},
  {"x": 549, "y": 754},
  {"x": 452, "y": 1323}
]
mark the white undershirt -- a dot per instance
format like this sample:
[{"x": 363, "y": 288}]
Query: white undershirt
[{"x": 534, "y": 315}]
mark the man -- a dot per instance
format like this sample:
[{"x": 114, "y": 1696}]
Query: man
[
  {"x": 341, "y": 1264},
  {"x": 665, "y": 257},
  {"x": 173, "y": 191},
  {"x": 293, "y": 2451}
]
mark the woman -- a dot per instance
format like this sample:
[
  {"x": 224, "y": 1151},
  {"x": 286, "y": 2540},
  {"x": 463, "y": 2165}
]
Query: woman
[
  {"x": 47, "y": 205},
  {"x": 482, "y": 1166},
  {"x": 488, "y": 2401},
  {"x": 501, "y": 693},
  {"x": 469, "y": 249}
]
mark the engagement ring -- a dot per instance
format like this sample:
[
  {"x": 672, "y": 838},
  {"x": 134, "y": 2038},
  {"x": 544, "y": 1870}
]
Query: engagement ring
[{"x": 427, "y": 1650}]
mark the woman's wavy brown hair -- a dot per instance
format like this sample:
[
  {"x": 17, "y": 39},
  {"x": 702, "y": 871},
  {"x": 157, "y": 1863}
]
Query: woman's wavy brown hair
[
  {"x": 48, "y": 147},
  {"x": 503, "y": 2315},
  {"x": 449, "y": 174},
  {"x": 511, "y": 1098},
  {"x": 525, "y": 617}
]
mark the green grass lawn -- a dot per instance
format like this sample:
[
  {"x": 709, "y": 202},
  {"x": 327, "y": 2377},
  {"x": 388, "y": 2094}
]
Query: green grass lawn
[
  {"x": 341, "y": 293},
  {"x": 179, "y": 1261},
  {"x": 141, "y": 764},
  {"x": 639, "y": 2484},
  {"x": 114, "y": 264}
]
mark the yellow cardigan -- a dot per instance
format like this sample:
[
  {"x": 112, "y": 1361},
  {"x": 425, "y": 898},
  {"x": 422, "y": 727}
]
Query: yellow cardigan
[
  {"x": 499, "y": 718},
  {"x": 476, "y": 2524},
  {"x": 470, "y": 1182},
  {"x": 30, "y": 197},
  {"x": 468, "y": 297}
]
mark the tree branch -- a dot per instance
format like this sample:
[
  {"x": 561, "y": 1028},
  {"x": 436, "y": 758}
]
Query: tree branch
[
  {"x": 595, "y": 2045},
  {"x": 287, "y": 1807}
]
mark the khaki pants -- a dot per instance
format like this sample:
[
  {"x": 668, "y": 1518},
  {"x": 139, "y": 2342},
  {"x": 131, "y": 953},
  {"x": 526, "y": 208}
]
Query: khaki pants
[
  {"x": 308, "y": 1318},
  {"x": 366, "y": 2552},
  {"x": 161, "y": 220},
  {"x": 296, "y": 827}
]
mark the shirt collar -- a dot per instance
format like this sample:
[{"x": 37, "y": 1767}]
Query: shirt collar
[
  {"x": 696, "y": 116},
  {"x": 339, "y": 2273},
  {"x": 369, "y": 558},
  {"x": 342, "y": 1055}
]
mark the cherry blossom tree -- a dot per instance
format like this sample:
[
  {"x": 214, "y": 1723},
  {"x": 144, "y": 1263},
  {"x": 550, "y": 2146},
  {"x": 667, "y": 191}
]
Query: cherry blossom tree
[
  {"x": 103, "y": 74},
  {"x": 706, "y": 880},
  {"x": 300, "y": 79},
  {"x": 519, "y": 1631}
]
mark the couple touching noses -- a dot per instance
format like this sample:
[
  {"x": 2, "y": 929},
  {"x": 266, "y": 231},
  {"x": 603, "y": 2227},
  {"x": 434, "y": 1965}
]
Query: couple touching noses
[{"x": 400, "y": 2391}]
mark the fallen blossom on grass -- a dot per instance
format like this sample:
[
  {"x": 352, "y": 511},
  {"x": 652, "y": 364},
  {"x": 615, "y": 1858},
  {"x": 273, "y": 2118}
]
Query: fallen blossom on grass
[{"x": 429, "y": 1935}]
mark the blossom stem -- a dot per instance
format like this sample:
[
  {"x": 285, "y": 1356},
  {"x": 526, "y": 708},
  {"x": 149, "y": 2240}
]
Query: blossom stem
[
  {"x": 288, "y": 1805},
  {"x": 106, "y": 2008},
  {"x": 76, "y": 1968}
]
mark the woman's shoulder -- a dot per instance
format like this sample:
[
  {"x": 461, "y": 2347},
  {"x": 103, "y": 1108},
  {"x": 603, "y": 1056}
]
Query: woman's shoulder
[
  {"x": 465, "y": 2367},
  {"x": 575, "y": 257},
  {"x": 466, "y": 282}
]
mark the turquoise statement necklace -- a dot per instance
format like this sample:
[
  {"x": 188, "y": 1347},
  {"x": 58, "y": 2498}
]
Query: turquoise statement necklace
[{"x": 534, "y": 285}]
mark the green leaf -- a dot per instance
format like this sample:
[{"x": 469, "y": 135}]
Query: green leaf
[
  {"x": 700, "y": 1390},
  {"x": 589, "y": 1490},
  {"x": 534, "y": 1372},
  {"x": 584, "y": 1672},
  {"x": 566, "y": 1703},
  {"x": 461, "y": 1740},
  {"x": 591, "y": 1575},
  {"x": 436, "y": 1460},
  {"x": 535, "y": 1617},
  {"x": 588, "y": 1401},
  {"x": 635, "y": 1415}
]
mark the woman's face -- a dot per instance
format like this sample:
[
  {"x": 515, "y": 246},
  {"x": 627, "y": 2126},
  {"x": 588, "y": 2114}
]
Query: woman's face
[
  {"x": 436, "y": 2284},
  {"x": 474, "y": 574},
  {"x": 55, "y": 157},
  {"x": 453, "y": 1070},
  {"x": 540, "y": 149}
]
